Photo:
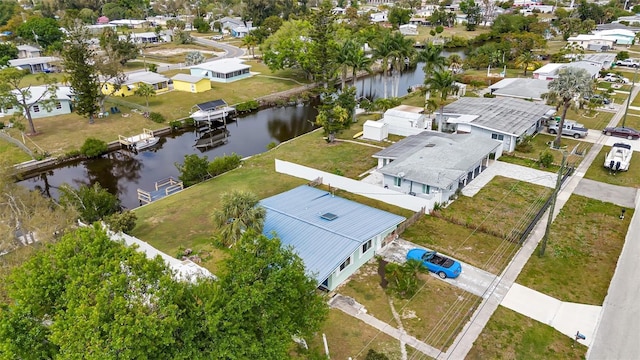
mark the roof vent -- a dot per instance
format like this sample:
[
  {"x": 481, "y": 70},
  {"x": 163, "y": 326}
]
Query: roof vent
[
  {"x": 430, "y": 145},
  {"x": 329, "y": 216}
]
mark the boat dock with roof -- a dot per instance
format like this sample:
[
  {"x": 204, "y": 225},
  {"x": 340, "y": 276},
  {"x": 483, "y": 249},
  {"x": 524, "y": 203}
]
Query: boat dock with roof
[{"x": 216, "y": 110}]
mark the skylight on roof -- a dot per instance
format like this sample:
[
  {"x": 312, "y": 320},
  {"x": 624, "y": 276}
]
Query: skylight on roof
[{"x": 329, "y": 216}]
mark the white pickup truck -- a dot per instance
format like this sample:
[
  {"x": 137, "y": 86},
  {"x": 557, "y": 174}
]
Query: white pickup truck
[{"x": 569, "y": 128}]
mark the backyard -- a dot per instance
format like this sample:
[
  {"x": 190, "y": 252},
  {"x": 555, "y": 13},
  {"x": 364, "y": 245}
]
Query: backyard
[{"x": 584, "y": 242}]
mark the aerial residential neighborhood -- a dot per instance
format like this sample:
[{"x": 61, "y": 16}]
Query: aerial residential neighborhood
[{"x": 315, "y": 180}]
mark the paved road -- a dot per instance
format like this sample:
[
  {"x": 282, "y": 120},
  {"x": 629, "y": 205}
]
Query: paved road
[
  {"x": 617, "y": 333},
  {"x": 230, "y": 50}
]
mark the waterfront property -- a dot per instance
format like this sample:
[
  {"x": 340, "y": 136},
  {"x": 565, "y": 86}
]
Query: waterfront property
[
  {"x": 190, "y": 83},
  {"x": 435, "y": 165},
  {"x": 42, "y": 104},
  {"x": 506, "y": 119},
  {"x": 406, "y": 120},
  {"x": 223, "y": 70},
  {"x": 333, "y": 236},
  {"x": 35, "y": 64},
  {"x": 132, "y": 81},
  {"x": 520, "y": 88}
]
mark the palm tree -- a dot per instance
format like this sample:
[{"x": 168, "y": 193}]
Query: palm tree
[
  {"x": 525, "y": 59},
  {"x": 345, "y": 58},
  {"x": 250, "y": 42},
  {"x": 383, "y": 50},
  {"x": 433, "y": 61},
  {"x": 239, "y": 211},
  {"x": 571, "y": 84},
  {"x": 442, "y": 83},
  {"x": 360, "y": 62},
  {"x": 403, "y": 50},
  {"x": 145, "y": 90},
  {"x": 455, "y": 63}
]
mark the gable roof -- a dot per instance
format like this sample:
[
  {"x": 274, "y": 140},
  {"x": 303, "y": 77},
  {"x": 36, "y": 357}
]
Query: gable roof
[
  {"x": 521, "y": 88},
  {"x": 295, "y": 217},
  {"x": 36, "y": 92},
  {"x": 437, "y": 159},
  {"x": 188, "y": 78},
  {"x": 27, "y": 48},
  {"x": 223, "y": 66},
  {"x": 33, "y": 60},
  {"x": 507, "y": 115}
]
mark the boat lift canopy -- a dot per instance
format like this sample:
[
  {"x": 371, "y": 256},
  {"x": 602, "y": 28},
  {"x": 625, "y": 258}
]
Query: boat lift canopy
[{"x": 211, "y": 105}]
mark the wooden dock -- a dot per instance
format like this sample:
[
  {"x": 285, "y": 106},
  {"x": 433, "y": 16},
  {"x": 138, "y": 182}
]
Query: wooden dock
[
  {"x": 132, "y": 140},
  {"x": 164, "y": 187}
]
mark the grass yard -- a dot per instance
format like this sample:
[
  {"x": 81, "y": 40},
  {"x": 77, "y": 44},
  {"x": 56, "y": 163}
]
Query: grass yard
[
  {"x": 584, "y": 243},
  {"x": 598, "y": 172},
  {"x": 474, "y": 229},
  {"x": 11, "y": 154},
  {"x": 509, "y": 335},
  {"x": 597, "y": 121},
  {"x": 192, "y": 207},
  {"x": 350, "y": 337},
  {"x": 458, "y": 30},
  {"x": 434, "y": 322},
  {"x": 60, "y": 134},
  {"x": 529, "y": 155}
]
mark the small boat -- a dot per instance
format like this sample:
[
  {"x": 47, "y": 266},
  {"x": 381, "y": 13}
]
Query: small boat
[
  {"x": 146, "y": 143},
  {"x": 212, "y": 138},
  {"x": 213, "y": 110},
  {"x": 619, "y": 158}
]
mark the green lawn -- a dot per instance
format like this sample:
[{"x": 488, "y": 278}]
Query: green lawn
[
  {"x": 584, "y": 243},
  {"x": 597, "y": 121},
  {"x": 11, "y": 154},
  {"x": 474, "y": 229},
  {"x": 436, "y": 324},
  {"x": 598, "y": 172},
  {"x": 192, "y": 207},
  {"x": 529, "y": 155},
  {"x": 509, "y": 335}
]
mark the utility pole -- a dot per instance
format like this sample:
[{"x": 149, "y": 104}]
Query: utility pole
[
  {"x": 633, "y": 84},
  {"x": 554, "y": 196}
]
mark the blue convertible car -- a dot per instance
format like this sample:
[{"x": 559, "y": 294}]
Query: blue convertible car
[{"x": 443, "y": 266}]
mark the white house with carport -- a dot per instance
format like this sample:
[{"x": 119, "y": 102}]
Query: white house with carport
[
  {"x": 223, "y": 70},
  {"x": 622, "y": 36},
  {"x": 505, "y": 119},
  {"x": 435, "y": 165},
  {"x": 520, "y": 88},
  {"x": 42, "y": 104},
  {"x": 35, "y": 64},
  {"x": 551, "y": 71},
  {"x": 593, "y": 42},
  {"x": 333, "y": 236}
]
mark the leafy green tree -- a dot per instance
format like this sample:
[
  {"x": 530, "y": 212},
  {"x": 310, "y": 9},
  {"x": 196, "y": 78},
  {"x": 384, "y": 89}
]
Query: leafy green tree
[
  {"x": 118, "y": 49},
  {"x": 90, "y": 297},
  {"x": 333, "y": 121},
  {"x": 572, "y": 83},
  {"x": 265, "y": 297},
  {"x": 323, "y": 48},
  {"x": 146, "y": 91},
  {"x": 8, "y": 8},
  {"x": 193, "y": 170},
  {"x": 201, "y": 25},
  {"x": 194, "y": 58},
  {"x": 442, "y": 83},
  {"x": 239, "y": 212},
  {"x": 8, "y": 51},
  {"x": 114, "y": 11},
  {"x": 398, "y": 16},
  {"x": 288, "y": 48},
  {"x": 42, "y": 31},
  {"x": 473, "y": 12},
  {"x": 93, "y": 147},
  {"x": 622, "y": 55},
  {"x": 82, "y": 72},
  {"x": 15, "y": 92},
  {"x": 93, "y": 203},
  {"x": 122, "y": 221}
]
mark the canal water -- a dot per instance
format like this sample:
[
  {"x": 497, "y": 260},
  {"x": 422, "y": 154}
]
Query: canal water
[{"x": 123, "y": 172}]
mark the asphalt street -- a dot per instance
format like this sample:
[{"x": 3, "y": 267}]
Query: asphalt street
[{"x": 230, "y": 50}]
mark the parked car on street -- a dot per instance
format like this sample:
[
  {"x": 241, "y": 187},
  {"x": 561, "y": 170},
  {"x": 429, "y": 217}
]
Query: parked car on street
[
  {"x": 217, "y": 37},
  {"x": 598, "y": 99},
  {"x": 625, "y": 132},
  {"x": 610, "y": 77},
  {"x": 628, "y": 62},
  {"x": 436, "y": 263}
]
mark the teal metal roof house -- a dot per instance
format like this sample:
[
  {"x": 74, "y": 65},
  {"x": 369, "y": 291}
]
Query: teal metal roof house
[{"x": 333, "y": 236}]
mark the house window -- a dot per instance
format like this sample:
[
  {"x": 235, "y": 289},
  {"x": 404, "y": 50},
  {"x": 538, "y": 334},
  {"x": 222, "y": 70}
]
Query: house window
[
  {"x": 397, "y": 181},
  {"x": 36, "y": 108},
  {"x": 58, "y": 105},
  {"x": 366, "y": 246},
  {"x": 425, "y": 189},
  {"x": 345, "y": 263},
  {"x": 497, "y": 136}
]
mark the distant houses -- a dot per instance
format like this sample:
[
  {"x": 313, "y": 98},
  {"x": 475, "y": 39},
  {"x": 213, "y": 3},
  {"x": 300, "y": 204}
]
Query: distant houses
[
  {"x": 47, "y": 105},
  {"x": 36, "y": 64},
  {"x": 223, "y": 70}
]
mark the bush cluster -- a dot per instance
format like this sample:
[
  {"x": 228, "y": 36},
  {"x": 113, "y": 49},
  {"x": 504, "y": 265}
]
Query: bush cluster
[
  {"x": 223, "y": 164},
  {"x": 247, "y": 106},
  {"x": 156, "y": 117},
  {"x": 93, "y": 147}
]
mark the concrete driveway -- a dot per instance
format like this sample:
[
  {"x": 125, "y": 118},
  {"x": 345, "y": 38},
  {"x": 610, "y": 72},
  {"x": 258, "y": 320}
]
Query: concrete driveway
[
  {"x": 472, "y": 279},
  {"x": 619, "y": 195}
]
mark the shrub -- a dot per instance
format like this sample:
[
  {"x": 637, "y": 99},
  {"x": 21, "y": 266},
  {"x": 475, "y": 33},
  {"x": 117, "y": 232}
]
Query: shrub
[
  {"x": 456, "y": 42},
  {"x": 403, "y": 279},
  {"x": 247, "y": 106},
  {"x": 223, "y": 164},
  {"x": 271, "y": 145},
  {"x": 71, "y": 154},
  {"x": 525, "y": 145},
  {"x": 193, "y": 170},
  {"x": 489, "y": 95},
  {"x": 157, "y": 117},
  {"x": 93, "y": 147},
  {"x": 175, "y": 124},
  {"x": 189, "y": 122},
  {"x": 152, "y": 67},
  {"x": 1, "y": 125},
  {"x": 122, "y": 221},
  {"x": 622, "y": 55},
  {"x": 546, "y": 159}
]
